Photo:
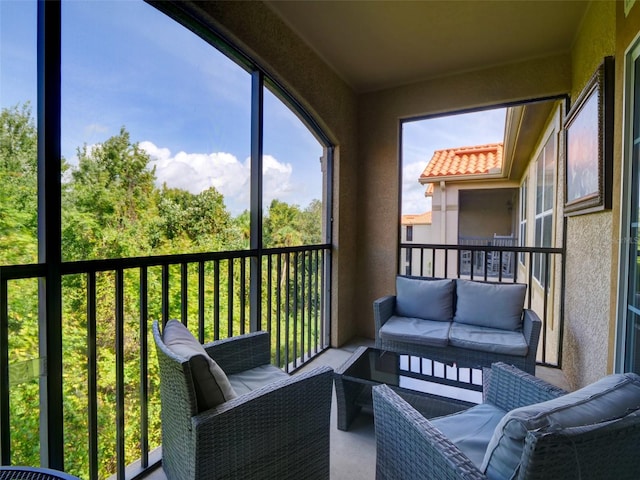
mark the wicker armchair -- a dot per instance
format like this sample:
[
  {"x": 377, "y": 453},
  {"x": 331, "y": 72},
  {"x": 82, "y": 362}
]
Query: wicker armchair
[
  {"x": 410, "y": 447},
  {"x": 278, "y": 431}
]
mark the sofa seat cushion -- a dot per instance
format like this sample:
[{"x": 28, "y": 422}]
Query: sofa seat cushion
[
  {"x": 210, "y": 383},
  {"x": 415, "y": 330},
  {"x": 428, "y": 299},
  {"x": 471, "y": 430},
  {"x": 609, "y": 398},
  {"x": 249, "y": 380},
  {"x": 487, "y": 339},
  {"x": 496, "y": 305}
]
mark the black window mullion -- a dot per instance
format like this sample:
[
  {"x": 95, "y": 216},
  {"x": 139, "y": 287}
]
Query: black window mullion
[
  {"x": 49, "y": 232},
  {"x": 257, "y": 122}
]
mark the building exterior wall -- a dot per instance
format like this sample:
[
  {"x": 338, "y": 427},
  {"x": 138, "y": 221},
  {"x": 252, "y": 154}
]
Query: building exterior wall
[
  {"x": 588, "y": 302},
  {"x": 416, "y": 264},
  {"x": 553, "y": 314}
]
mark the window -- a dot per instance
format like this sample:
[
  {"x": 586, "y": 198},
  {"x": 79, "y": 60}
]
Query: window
[
  {"x": 522, "y": 233},
  {"x": 292, "y": 179},
  {"x": 409, "y": 233},
  {"x": 173, "y": 103},
  {"x": 545, "y": 187},
  {"x": 158, "y": 158},
  {"x": 18, "y": 133},
  {"x": 628, "y": 335}
]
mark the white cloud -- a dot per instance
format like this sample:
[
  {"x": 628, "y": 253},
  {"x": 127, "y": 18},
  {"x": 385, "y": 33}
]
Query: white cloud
[
  {"x": 413, "y": 199},
  {"x": 196, "y": 172}
]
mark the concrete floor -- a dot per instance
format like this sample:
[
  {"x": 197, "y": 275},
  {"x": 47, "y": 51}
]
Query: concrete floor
[{"x": 353, "y": 453}]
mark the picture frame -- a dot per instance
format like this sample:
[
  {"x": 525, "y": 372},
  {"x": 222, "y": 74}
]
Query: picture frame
[{"x": 588, "y": 142}]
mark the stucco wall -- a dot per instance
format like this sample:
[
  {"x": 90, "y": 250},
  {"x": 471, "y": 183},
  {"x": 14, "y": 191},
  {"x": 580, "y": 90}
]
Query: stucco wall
[
  {"x": 261, "y": 34},
  {"x": 588, "y": 302}
]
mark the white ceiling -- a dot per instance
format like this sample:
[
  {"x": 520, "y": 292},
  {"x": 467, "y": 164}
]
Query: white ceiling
[{"x": 374, "y": 45}]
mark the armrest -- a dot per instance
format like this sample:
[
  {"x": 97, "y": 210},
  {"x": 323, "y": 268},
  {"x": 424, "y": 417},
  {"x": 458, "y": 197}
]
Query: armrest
[
  {"x": 282, "y": 416},
  {"x": 531, "y": 326},
  {"x": 242, "y": 352},
  {"x": 508, "y": 387},
  {"x": 408, "y": 446},
  {"x": 383, "y": 308}
]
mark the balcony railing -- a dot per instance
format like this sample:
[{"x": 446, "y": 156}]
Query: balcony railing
[
  {"x": 542, "y": 269},
  {"x": 110, "y": 381}
]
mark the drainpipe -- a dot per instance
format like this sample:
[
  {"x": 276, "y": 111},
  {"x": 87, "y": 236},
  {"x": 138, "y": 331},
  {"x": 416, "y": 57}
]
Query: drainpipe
[{"x": 443, "y": 212}]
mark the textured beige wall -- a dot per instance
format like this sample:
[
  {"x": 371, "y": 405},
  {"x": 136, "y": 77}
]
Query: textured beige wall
[
  {"x": 588, "y": 301},
  {"x": 379, "y": 114},
  {"x": 262, "y": 35}
]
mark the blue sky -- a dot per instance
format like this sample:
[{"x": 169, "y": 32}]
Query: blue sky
[
  {"x": 189, "y": 106},
  {"x": 185, "y": 103}
]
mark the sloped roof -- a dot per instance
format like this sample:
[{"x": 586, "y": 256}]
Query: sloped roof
[
  {"x": 464, "y": 161},
  {"x": 418, "y": 219}
]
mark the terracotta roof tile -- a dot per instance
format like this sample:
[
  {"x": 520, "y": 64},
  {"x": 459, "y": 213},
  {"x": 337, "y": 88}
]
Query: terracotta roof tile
[
  {"x": 418, "y": 219},
  {"x": 474, "y": 160}
]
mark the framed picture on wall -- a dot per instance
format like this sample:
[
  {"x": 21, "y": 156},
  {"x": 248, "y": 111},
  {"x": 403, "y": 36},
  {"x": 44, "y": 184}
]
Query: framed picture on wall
[{"x": 589, "y": 145}]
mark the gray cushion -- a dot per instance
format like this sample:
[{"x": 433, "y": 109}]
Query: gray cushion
[
  {"x": 257, "y": 377},
  {"x": 487, "y": 339},
  {"x": 428, "y": 299},
  {"x": 497, "y": 305},
  {"x": 416, "y": 330},
  {"x": 609, "y": 398},
  {"x": 211, "y": 384},
  {"x": 471, "y": 430}
]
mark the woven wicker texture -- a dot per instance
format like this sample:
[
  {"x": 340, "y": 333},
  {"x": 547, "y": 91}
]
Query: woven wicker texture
[
  {"x": 384, "y": 308},
  {"x": 279, "y": 431},
  {"x": 409, "y": 447},
  {"x": 33, "y": 473}
]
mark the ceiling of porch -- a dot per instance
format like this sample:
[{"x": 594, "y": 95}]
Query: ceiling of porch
[{"x": 374, "y": 45}]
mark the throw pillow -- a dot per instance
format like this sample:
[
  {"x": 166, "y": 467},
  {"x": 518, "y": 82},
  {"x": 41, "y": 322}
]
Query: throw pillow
[
  {"x": 609, "y": 398},
  {"x": 495, "y": 305},
  {"x": 428, "y": 299},
  {"x": 210, "y": 382}
]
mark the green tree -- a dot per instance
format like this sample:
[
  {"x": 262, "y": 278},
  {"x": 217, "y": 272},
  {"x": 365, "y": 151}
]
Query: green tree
[
  {"x": 18, "y": 191},
  {"x": 110, "y": 203},
  {"x": 282, "y": 225}
]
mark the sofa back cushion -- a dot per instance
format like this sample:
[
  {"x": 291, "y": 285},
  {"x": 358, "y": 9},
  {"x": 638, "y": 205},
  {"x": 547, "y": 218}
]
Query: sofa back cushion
[
  {"x": 210, "y": 383},
  {"x": 427, "y": 299},
  {"x": 496, "y": 305},
  {"x": 609, "y": 398}
]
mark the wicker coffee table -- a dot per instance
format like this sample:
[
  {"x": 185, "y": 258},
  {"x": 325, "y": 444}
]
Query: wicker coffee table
[{"x": 431, "y": 387}]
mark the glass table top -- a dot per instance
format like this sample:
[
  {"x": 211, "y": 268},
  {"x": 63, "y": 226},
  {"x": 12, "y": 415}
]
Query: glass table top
[{"x": 417, "y": 374}]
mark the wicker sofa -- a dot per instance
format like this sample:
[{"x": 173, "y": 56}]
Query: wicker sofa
[
  {"x": 466, "y": 322},
  {"x": 247, "y": 420},
  {"x": 524, "y": 429}
]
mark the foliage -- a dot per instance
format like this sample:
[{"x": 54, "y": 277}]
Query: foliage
[{"x": 112, "y": 208}]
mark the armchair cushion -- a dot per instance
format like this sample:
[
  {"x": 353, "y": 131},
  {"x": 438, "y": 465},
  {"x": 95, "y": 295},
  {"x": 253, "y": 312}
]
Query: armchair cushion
[
  {"x": 495, "y": 305},
  {"x": 428, "y": 299},
  {"x": 609, "y": 398},
  {"x": 249, "y": 380},
  {"x": 471, "y": 430},
  {"x": 407, "y": 329},
  {"x": 211, "y": 384},
  {"x": 488, "y": 339}
]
